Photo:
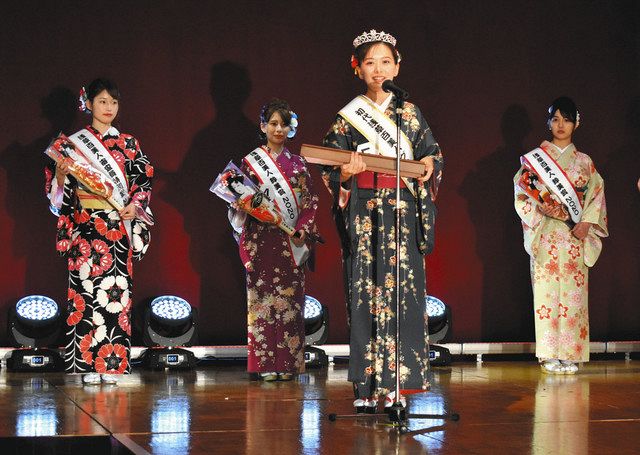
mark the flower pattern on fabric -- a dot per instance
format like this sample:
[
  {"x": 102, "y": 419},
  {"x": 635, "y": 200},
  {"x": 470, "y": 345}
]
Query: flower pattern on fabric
[
  {"x": 65, "y": 233},
  {"x": 101, "y": 259},
  {"x": 560, "y": 262},
  {"x": 78, "y": 307},
  {"x": 112, "y": 359},
  {"x": 111, "y": 228},
  {"x": 99, "y": 256},
  {"x": 113, "y": 293}
]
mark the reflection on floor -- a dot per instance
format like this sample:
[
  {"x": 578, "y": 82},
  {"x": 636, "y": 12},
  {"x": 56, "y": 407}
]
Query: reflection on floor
[{"x": 505, "y": 407}]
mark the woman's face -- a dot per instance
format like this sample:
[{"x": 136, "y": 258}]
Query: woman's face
[
  {"x": 237, "y": 187},
  {"x": 276, "y": 130},
  {"x": 378, "y": 66},
  {"x": 104, "y": 108},
  {"x": 561, "y": 127}
]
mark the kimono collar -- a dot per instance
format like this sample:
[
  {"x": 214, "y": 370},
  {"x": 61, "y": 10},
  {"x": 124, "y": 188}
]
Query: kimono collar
[
  {"x": 112, "y": 131},
  {"x": 547, "y": 144},
  {"x": 385, "y": 104}
]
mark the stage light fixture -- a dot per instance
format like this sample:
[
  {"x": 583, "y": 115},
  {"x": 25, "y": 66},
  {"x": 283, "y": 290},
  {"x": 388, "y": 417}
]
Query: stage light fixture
[
  {"x": 316, "y": 331},
  {"x": 169, "y": 322},
  {"x": 34, "y": 325},
  {"x": 439, "y": 326}
]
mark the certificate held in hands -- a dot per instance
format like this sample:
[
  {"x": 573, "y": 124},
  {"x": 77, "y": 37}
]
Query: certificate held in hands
[{"x": 376, "y": 163}]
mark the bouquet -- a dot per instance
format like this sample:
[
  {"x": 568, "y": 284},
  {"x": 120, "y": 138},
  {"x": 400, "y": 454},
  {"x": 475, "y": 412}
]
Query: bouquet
[
  {"x": 61, "y": 149},
  {"x": 534, "y": 187},
  {"x": 238, "y": 190}
]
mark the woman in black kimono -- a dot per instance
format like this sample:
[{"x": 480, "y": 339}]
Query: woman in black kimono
[
  {"x": 100, "y": 242},
  {"x": 363, "y": 206}
]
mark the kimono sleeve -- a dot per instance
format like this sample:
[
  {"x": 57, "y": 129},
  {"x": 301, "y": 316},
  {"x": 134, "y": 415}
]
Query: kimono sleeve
[
  {"x": 530, "y": 216},
  {"x": 340, "y": 137},
  {"x": 309, "y": 201},
  {"x": 425, "y": 145},
  {"x": 140, "y": 174},
  {"x": 594, "y": 212}
]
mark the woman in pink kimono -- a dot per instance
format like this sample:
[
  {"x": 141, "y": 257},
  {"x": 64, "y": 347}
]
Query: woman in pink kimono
[
  {"x": 559, "y": 197},
  {"x": 273, "y": 260}
]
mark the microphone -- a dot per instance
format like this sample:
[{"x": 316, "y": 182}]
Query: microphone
[{"x": 389, "y": 86}]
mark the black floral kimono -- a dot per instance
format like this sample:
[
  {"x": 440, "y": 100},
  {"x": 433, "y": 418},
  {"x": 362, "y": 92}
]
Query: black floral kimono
[{"x": 365, "y": 221}]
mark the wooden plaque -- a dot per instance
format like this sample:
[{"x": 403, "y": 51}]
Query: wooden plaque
[{"x": 376, "y": 163}]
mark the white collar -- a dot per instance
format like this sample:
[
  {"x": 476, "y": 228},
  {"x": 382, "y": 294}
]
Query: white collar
[
  {"x": 561, "y": 150},
  {"x": 112, "y": 131},
  {"x": 385, "y": 104}
]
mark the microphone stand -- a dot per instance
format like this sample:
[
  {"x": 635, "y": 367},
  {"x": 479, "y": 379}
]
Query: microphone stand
[{"x": 397, "y": 414}]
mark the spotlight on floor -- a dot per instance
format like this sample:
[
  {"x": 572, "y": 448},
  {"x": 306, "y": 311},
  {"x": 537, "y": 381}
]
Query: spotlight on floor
[
  {"x": 169, "y": 322},
  {"x": 316, "y": 331},
  {"x": 34, "y": 324},
  {"x": 439, "y": 326}
]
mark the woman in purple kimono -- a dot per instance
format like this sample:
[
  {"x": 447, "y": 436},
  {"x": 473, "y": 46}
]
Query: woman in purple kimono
[{"x": 274, "y": 261}]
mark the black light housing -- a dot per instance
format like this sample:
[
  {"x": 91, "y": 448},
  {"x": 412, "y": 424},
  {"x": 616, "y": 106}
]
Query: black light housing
[
  {"x": 316, "y": 331},
  {"x": 439, "y": 326},
  {"x": 168, "y": 322},
  {"x": 34, "y": 324}
]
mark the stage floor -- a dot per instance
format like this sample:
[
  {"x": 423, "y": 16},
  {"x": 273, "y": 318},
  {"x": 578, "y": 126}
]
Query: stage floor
[{"x": 505, "y": 407}]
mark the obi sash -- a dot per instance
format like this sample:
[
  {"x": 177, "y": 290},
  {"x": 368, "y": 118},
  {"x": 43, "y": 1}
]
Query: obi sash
[
  {"x": 277, "y": 189},
  {"x": 555, "y": 180}
]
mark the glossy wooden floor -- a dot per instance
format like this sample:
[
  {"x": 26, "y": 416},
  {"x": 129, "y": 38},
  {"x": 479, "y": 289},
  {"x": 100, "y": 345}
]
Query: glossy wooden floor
[{"x": 505, "y": 408}]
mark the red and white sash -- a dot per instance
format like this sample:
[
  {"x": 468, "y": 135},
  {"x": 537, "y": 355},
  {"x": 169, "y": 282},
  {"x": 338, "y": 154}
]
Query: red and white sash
[
  {"x": 95, "y": 153},
  {"x": 554, "y": 177},
  {"x": 277, "y": 189}
]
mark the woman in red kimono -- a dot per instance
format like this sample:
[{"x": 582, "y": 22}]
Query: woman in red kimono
[
  {"x": 99, "y": 241},
  {"x": 275, "y": 270}
]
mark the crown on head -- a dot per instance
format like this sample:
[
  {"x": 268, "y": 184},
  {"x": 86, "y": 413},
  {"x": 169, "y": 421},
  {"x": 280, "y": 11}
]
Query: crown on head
[{"x": 373, "y": 36}]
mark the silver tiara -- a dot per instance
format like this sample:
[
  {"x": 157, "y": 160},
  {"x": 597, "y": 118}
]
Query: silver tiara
[{"x": 373, "y": 36}]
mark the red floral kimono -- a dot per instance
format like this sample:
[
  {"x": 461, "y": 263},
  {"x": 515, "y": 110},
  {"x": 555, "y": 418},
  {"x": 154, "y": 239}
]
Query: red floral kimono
[{"x": 100, "y": 255}]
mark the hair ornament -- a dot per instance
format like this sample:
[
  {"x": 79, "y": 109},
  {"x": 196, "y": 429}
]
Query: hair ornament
[
  {"x": 577, "y": 117},
  {"x": 82, "y": 101},
  {"x": 354, "y": 64},
  {"x": 293, "y": 125},
  {"x": 372, "y": 36}
]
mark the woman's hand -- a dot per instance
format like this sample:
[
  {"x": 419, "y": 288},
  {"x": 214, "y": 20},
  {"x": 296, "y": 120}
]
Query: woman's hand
[
  {"x": 129, "y": 212},
  {"x": 428, "y": 168},
  {"x": 298, "y": 240},
  {"x": 553, "y": 211},
  {"x": 355, "y": 166},
  {"x": 62, "y": 169},
  {"x": 581, "y": 230}
]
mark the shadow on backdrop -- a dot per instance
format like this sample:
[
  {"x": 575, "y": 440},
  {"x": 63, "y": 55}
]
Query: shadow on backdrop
[
  {"x": 34, "y": 226},
  {"x": 213, "y": 253},
  {"x": 621, "y": 251},
  {"x": 507, "y": 300}
]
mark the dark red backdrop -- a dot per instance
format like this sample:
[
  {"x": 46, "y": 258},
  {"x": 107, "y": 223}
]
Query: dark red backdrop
[{"x": 194, "y": 75}]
